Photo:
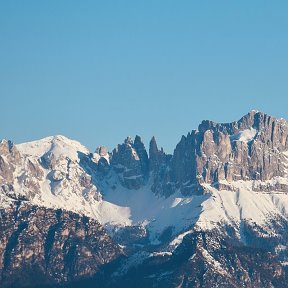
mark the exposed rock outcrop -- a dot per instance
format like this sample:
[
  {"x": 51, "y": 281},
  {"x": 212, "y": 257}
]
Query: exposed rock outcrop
[
  {"x": 130, "y": 161},
  {"x": 249, "y": 149},
  {"x": 43, "y": 246}
]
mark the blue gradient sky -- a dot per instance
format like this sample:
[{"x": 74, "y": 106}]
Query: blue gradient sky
[{"x": 97, "y": 71}]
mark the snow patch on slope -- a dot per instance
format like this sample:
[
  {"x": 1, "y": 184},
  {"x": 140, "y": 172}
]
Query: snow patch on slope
[
  {"x": 242, "y": 204},
  {"x": 244, "y": 136},
  {"x": 157, "y": 213}
]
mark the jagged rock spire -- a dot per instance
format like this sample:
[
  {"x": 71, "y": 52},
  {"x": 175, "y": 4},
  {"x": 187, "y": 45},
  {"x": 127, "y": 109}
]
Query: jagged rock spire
[
  {"x": 128, "y": 140},
  {"x": 102, "y": 150},
  {"x": 153, "y": 148},
  {"x": 153, "y": 154},
  {"x": 142, "y": 154},
  {"x": 130, "y": 160}
]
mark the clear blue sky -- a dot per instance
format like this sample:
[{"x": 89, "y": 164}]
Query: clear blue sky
[{"x": 97, "y": 71}]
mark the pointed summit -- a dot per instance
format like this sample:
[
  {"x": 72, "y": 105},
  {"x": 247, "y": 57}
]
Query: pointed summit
[
  {"x": 102, "y": 150},
  {"x": 128, "y": 141},
  {"x": 142, "y": 153},
  {"x": 131, "y": 162},
  {"x": 255, "y": 119},
  {"x": 138, "y": 139},
  {"x": 155, "y": 155},
  {"x": 153, "y": 148},
  {"x": 153, "y": 144}
]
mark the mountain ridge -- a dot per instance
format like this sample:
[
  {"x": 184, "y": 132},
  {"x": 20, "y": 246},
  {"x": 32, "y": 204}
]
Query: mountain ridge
[{"x": 226, "y": 180}]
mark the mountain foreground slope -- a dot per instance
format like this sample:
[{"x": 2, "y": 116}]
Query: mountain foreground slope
[{"x": 213, "y": 214}]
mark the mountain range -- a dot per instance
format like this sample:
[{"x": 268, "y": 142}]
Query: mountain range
[{"x": 212, "y": 214}]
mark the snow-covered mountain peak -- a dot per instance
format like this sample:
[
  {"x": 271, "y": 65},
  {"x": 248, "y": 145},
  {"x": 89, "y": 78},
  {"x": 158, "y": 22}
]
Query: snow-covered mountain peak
[{"x": 58, "y": 145}]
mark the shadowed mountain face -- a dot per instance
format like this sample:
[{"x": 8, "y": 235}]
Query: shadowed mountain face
[
  {"x": 43, "y": 246},
  {"x": 213, "y": 213}
]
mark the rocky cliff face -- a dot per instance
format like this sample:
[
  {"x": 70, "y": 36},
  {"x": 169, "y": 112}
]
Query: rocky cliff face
[
  {"x": 130, "y": 161},
  {"x": 249, "y": 149},
  {"x": 206, "y": 215},
  {"x": 44, "y": 246},
  {"x": 9, "y": 155}
]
